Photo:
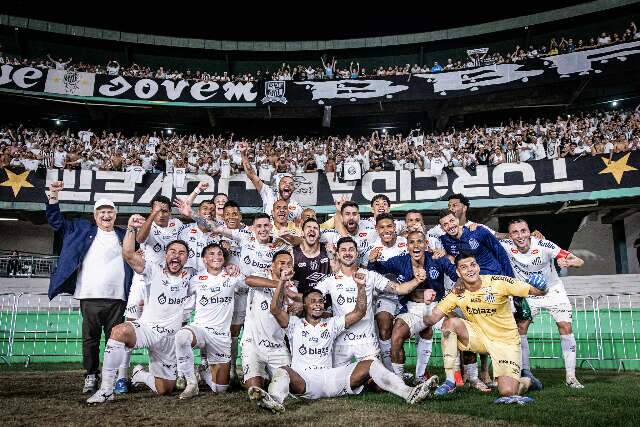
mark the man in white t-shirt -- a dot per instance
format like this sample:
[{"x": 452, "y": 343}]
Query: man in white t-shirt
[
  {"x": 59, "y": 157},
  {"x": 532, "y": 256},
  {"x": 286, "y": 188},
  {"x": 165, "y": 293},
  {"x": 312, "y": 374}
]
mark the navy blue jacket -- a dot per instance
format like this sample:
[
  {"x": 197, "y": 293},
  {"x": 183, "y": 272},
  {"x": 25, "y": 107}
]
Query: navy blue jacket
[
  {"x": 489, "y": 253},
  {"x": 78, "y": 235},
  {"x": 401, "y": 266}
]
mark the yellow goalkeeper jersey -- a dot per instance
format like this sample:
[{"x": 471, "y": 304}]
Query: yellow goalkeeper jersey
[{"x": 489, "y": 307}]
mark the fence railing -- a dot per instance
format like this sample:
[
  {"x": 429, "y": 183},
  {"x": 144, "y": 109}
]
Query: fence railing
[
  {"x": 28, "y": 266},
  {"x": 606, "y": 329}
]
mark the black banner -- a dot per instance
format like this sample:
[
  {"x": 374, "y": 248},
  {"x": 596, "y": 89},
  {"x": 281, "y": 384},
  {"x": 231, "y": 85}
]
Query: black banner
[
  {"x": 544, "y": 181},
  {"x": 619, "y": 58}
]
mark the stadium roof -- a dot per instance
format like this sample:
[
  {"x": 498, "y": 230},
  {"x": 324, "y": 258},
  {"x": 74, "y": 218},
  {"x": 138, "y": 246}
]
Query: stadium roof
[{"x": 308, "y": 22}]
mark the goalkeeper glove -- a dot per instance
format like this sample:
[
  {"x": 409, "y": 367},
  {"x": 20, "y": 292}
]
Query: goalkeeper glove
[{"x": 538, "y": 282}]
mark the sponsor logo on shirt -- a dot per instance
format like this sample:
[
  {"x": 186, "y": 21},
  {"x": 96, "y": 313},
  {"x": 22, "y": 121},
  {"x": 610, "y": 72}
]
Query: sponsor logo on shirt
[
  {"x": 269, "y": 344},
  {"x": 535, "y": 252},
  {"x": 350, "y": 336},
  {"x": 264, "y": 305},
  {"x": 203, "y": 277}
]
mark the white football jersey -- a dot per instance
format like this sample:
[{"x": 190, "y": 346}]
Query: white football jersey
[
  {"x": 197, "y": 240},
  {"x": 312, "y": 346},
  {"x": 214, "y": 297},
  {"x": 235, "y": 247},
  {"x": 344, "y": 294},
  {"x": 371, "y": 223},
  {"x": 260, "y": 327},
  {"x": 254, "y": 256},
  {"x": 165, "y": 297},
  {"x": 538, "y": 259},
  {"x": 270, "y": 196},
  {"x": 159, "y": 237},
  {"x": 364, "y": 238}
]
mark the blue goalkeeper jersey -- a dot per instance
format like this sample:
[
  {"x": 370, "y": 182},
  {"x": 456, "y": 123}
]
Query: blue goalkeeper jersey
[
  {"x": 489, "y": 253},
  {"x": 401, "y": 267}
]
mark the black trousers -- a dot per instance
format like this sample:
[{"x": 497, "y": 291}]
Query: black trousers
[{"x": 98, "y": 315}]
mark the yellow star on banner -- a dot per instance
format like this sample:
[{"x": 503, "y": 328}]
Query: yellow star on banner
[
  {"x": 617, "y": 167},
  {"x": 16, "y": 181}
]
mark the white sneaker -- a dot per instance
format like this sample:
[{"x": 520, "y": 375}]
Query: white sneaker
[
  {"x": 136, "y": 370},
  {"x": 264, "y": 400},
  {"x": 573, "y": 383},
  {"x": 90, "y": 384},
  {"x": 191, "y": 390},
  {"x": 101, "y": 396},
  {"x": 422, "y": 391}
]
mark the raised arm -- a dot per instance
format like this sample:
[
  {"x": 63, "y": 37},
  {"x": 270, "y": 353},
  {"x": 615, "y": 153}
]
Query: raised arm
[
  {"x": 54, "y": 216},
  {"x": 282, "y": 317},
  {"x": 202, "y": 186},
  {"x": 360, "y": 308},
  {"x": 206, "y": 224},
  {"x": 420, "y": 275},
  {"x": 145, "y": 229},
  {"x": 133, "y": 258},
  {"x": 248, "y": 169}
]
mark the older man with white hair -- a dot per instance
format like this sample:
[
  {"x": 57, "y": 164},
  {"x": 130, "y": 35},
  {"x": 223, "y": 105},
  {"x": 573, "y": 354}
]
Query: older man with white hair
[{"x": 91, "y": 268}]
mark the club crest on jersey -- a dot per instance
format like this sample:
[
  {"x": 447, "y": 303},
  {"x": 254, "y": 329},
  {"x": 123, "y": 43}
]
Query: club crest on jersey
[
  {"x": 313, "y": 265},
  {"x": 434, "y": 273},
  {"x": 324, "y": 335},
  {"x": 489, "y": 297},
  {"x": 473, "y": 243},
  {"x": 264, "y": 305}
]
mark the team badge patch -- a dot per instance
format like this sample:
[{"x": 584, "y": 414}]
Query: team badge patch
[
  {"x": 434, "y": 273},
  {"x": 473, "y": 243}
]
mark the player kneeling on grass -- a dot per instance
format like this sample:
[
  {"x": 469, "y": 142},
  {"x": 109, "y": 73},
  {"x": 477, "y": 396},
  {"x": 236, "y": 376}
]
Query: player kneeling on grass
[
  {"x": 311, "y": 338},
  {"x": 214, "y": 291},
  {"x": 165, "y": 292},
  {"x": 489, "y": 327}
]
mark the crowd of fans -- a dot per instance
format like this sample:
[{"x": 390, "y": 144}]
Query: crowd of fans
[
  {"x": 587, "y": 134},
  {"x": 330, "y": 68}
]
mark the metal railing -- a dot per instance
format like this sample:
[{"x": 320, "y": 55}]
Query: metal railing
[
  {"x": 28, "y": 266},
  {"x": 606, "y": 329}
]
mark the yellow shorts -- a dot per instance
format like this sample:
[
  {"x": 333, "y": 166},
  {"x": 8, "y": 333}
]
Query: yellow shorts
[{"x": 505, "y": 357}]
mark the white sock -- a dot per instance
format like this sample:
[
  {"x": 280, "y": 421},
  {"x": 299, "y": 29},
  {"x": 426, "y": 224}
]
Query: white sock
[
  {"x": 219, "y": 388},
  {"x": 208, "y": 380},
  {"x": 279, "y": 386},
  {"x": 398, "y": 369},
  {"x": 385, "y": 351},
  {"x": 184, "y": 353},
  {"x": 568, "y": 344},
  {"x": 148, "y": 379},
  {"x": 114, "y": 352},
  {"x": 388, "y": 381},
  {"x": 423, "y": 354},
  {"x": 471, "y": 371},
  {"x": 123, "y": 370},
  {"x": 524, "y": 349}
]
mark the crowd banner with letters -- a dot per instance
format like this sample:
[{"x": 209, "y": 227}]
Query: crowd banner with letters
[{"x": 508, "y": 184}]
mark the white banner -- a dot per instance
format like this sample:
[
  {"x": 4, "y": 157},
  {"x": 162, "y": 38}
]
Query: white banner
[{"x": 67, "y": 82}]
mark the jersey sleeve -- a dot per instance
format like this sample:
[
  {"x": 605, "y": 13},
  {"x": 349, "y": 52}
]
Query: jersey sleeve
[
  {"x": 448, "y": 303},
  {"x": 294, "y": 322},
  {"x": 552, "y": 249},
  {"x": 240, "y": 236},
  {"x": 338, "y": 324},
  {"x": 268, "y": 198},
  {"x": 510, "y": 286},
  {"x": 378, "y": 281},
  {"x": 499, "y": 252},
  {"x": 323, "y": 285},
  {"x": 448, "y": 268}
]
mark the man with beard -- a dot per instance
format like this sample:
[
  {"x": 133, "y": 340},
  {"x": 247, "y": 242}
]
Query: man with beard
[
  {"x": 312, "y": 374},
  {"x": 347, "y": 224},
  {"x": 417, "y": 303},
  {"x": 532, "y": 256},
  {"x": 286, "y": 188},
  {"x": 218, "y": 200},
  {"x": 388, "y": 244},
  {"x": 283, "y": 228},
  {"x": 360, "y": 340},
  {"x": 489, "y": 327},
  {"x": 157, "y": 231},
  {"x": 165, "y": 293},
  {"x": 310, "y": 258},
  {"x": 197, "y": 234}
]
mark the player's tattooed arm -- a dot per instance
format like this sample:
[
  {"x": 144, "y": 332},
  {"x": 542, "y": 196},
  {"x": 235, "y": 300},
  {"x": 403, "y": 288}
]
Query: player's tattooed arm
[
  {"x": 282, "y": 317},
  {"x": 570, "y": 261},
  {"x": 419, "y": 276},
  {"x": 133, "y": 258},
  {"x": 260, "y": 282},
  {"x": 360, "y": 308}
]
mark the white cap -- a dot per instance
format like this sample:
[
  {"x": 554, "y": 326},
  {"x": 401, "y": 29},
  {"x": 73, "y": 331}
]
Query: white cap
[{"x": 103, "y": 202}]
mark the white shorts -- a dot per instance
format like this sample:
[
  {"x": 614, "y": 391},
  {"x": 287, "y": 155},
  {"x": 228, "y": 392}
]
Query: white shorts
[
  {"x": 556, "y": 302},
  {"x": 343, "y": 355},
  {"x": 239, "y": 309},
  {"x": 331, "y": 382},
  {"x": 135, "y": 302},
  {"x": 413, "y": 317},
  {"x": 216, "y": 343},
  {"x": 261, "y": 362},
  {"x": 161, "y": 348},
  {"x": 383, "y": 303}
]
